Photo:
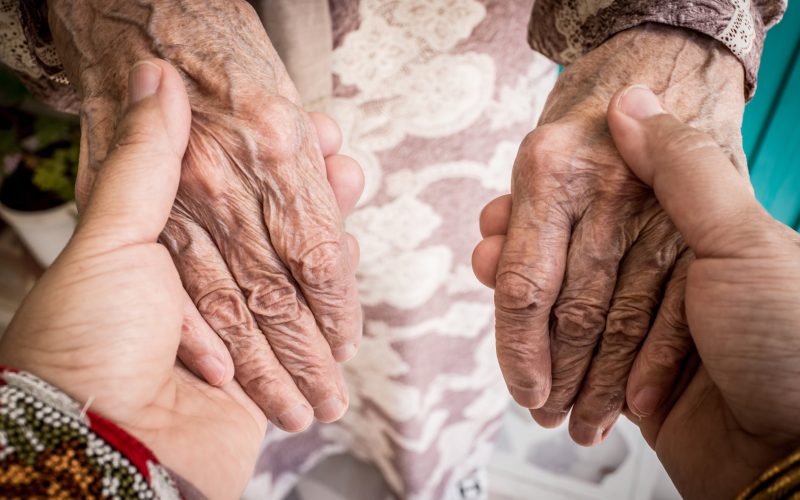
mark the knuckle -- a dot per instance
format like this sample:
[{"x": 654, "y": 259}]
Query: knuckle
[
  {"x": 578, "y": 324},
  {"x": 516, "y": 294},
  {"x": 674, "y": 320},
  {"x": 225, "y": 311},
  {"x": 322, "y": 266},
  {"x": 667, "y": 354},
  {"x": 539, "y": 145},
  {"x": 285, "y": 126},
  {"x": 274, "y": 303},
  {"x": 628, "y": 320}
]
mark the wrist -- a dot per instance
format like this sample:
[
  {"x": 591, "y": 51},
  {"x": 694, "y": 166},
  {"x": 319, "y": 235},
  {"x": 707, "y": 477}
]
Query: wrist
[
  {"x": 98, "y": 43},
  {"x": 696, "y": 78}
]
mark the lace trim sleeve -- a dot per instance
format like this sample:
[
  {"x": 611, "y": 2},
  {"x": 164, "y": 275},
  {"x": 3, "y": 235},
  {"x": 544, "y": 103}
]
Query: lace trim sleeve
[{"x": 565, "y": 29}]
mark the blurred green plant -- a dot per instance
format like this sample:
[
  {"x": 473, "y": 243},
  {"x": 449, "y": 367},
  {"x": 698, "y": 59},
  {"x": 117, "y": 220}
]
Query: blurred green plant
[{"x": 38, "y": 148}]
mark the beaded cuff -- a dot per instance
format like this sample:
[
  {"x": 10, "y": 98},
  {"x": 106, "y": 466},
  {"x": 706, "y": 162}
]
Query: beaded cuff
[{"x": 50, "y": 448}]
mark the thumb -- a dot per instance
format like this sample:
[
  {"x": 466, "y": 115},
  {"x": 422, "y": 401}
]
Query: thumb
[
  {"x": 709, "y": 202},
  {"x": 136, "y": 185}
]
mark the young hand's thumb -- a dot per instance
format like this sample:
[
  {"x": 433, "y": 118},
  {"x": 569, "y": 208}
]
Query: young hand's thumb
[
  {"x": 709, "y": 202},
  {"x": 135, "y": 188}
]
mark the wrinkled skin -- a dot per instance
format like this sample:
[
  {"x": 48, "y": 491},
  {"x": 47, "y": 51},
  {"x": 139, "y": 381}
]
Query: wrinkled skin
[
  {"x": 255, "y": 232},
  {"x": 584, "y": 262},
  {"x": 736, "y": 415}
]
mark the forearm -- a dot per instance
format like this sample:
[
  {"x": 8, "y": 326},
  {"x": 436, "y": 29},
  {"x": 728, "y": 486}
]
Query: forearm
[{"x": 206, "y": 40}]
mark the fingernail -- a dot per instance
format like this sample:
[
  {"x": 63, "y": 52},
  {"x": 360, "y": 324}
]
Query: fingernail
[
  {"x": 528, "y": 398},
  {"x": 585, "y": 435},
  {"x": 645, "y": 402},
  {"x": 639, "y": 102},
  {"x": 549, "y": 419},
  {"x": 345, "y": 352},
  {"x": 212, "y": 369},
  {"x": 296, "y": 419},
  {"x": 330, "y": 410},
  {"x": 143, "y": 81}
]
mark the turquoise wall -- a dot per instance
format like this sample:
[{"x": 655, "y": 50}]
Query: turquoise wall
[{"x": 771, "y": 128}]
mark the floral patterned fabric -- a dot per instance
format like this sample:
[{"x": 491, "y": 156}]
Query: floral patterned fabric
[{"x": 433, "y": 99}]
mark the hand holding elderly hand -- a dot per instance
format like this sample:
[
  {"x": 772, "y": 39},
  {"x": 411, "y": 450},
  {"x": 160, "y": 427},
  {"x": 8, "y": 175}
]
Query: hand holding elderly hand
[
  {"x": 255, "y": 232},
  {"x": 738, "y": 414},
  {"x": 104, "y": 323},
  {"x": 579, "y": 260}
]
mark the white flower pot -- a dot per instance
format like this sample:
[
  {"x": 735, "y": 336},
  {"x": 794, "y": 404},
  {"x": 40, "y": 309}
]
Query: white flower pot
[{"x": 44, "y": 232}]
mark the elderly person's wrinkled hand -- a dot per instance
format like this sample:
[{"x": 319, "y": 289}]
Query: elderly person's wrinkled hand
[
  {"x": 738, "y": 413},
  {"x": 585, "y": 251},
  {"x": 255, "y": 232}
]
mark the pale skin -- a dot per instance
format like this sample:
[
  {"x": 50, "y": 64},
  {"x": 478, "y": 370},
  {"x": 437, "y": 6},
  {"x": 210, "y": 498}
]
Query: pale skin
[{"x": 104, "y": 322}]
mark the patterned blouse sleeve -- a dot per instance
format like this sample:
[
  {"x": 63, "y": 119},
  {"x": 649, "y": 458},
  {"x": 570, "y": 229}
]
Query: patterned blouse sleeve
[
  {"x": 26, "y": 47},
  {"x": 50, "y": 447},
  {"x": 565, "y": 29}
]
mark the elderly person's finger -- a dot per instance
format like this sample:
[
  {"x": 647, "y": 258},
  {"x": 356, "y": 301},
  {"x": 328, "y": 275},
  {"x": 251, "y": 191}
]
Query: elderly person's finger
[
  {"x": 641, "y": 278},
  {"x": 579, "y": 314},
  {"x": 494, "y": 216},
  {"x": 347, "y": 181},
  {"x": 531, "y": 270},
  {"x": 328, "y": 133},
  {"x": 202, "y": 350},
  {"x": 485, "y": 258},
  {"x": 665, "y": 349},
  {"x": 222, "y": 304}
]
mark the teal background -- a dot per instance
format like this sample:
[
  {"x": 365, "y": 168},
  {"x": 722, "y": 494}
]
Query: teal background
[{"x": 771, "y": 129}]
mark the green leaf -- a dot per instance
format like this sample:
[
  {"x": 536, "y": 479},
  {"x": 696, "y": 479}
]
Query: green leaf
[{"x": 57, "y": 173}]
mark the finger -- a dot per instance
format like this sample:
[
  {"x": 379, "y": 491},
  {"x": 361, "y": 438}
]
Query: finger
[
  {"x": 347, "y": 181},
  {"x": 651, "y": 424},
  {"x": 494, "y": 216},
  {"x": 643, "y": 272},
  {"x": 328, "y": 133},
  {"x": 658, "y": 363},
  {"x": 529, "y": 275},
  {"x": 695, "y": 182},
  {"x": 201, "y": 349},
  {"x": 579, "y": 315},
  {"x": 279, "y": 310},
  {"x": 485, "y": 259},
  {"x": 306, "y": 230},
  {"x": 136, "y": 186},
  {"x": 353, "y": 249},
  {"x": 218, "y": 298}
]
